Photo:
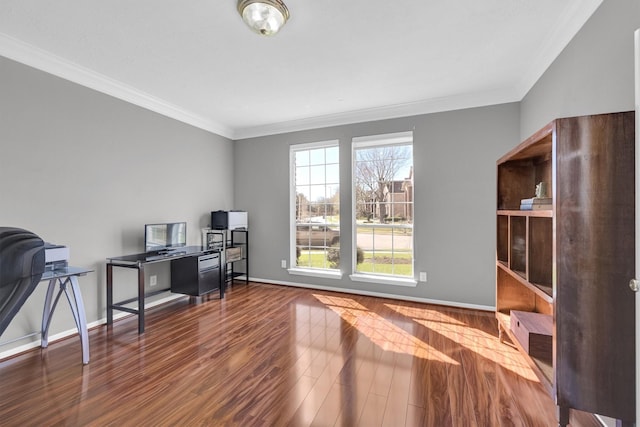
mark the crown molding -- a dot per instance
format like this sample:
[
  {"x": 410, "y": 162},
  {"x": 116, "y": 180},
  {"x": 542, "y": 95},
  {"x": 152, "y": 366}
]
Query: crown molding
[
  {"x": 32, "y": 56},
  {"x": 428, "y": 106},
  {"x": 568, "y": 25}
]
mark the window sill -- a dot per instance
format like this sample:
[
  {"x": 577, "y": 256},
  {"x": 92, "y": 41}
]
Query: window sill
[
  {"x": 327, "y": 274},
  {"x": 384, "y": 280}
]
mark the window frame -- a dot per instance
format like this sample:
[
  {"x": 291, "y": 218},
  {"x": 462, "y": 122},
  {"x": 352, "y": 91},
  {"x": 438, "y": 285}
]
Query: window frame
[
  {"x": 371, "y": 141},
  {"x": 293, "y": 267}
]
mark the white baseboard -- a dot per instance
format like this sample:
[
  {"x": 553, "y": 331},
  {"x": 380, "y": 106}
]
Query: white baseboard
[
  {"x": 70, "y": 332},
  {"x": 378, "y": 294},
  {"x": 65, "y": 334}
]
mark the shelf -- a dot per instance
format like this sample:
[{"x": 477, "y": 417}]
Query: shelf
[
  {"x": 226, "y": 241},
  {"x": 516, "y": 212},
  {"x": 543, "y": 291},
  {"x": 229, "y": 244},
  {"x": 542, "y": 368},
  {"x": 548, "y": 261},
  {"x": 539, "y": 144},
  {"x": 547, "y": 291}
]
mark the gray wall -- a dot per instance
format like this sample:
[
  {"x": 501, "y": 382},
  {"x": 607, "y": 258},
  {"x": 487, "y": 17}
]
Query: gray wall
[
  {"x": 454, "y": 158},
  {"x": 86, "y": 170},
  {"x": 594, "y": 73}
]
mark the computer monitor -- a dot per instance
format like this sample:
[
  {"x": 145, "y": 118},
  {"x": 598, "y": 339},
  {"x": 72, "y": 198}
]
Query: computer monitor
[{"x": 158, "y": 237}]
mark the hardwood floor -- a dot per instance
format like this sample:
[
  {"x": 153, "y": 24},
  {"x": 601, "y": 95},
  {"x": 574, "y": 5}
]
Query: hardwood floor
[{"x": 279, "y": 356}]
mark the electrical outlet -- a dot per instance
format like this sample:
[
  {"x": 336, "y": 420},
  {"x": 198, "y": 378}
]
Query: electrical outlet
[
  {"x": 423, "y": 276},
  {"x": 153, "y": 280},
  {"x": 283, "y": 263}
]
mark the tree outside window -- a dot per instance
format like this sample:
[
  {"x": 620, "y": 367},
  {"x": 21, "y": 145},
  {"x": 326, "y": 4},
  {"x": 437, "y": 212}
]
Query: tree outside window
[
  {"x": 316, "y": 193},
  {"x": 383, "y": 193}
]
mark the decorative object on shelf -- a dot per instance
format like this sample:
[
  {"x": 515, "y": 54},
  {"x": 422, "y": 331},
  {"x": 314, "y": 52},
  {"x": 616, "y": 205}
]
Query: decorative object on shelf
[
  {"x": 233, "y": 254},
  {"x": 265, "y": 17},
  {"x": 541, "y": 201},
  {"x": 541, "y": 190}
]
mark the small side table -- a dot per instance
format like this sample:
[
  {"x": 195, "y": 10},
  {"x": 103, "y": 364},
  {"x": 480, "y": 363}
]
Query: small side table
[{"x": 63, "y": 277}]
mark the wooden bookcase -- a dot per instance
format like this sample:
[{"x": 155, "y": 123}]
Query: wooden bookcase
[{"x": 574, "y": 261}]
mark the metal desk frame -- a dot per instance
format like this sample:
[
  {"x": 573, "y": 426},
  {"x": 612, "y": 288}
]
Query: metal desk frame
[
  {"x": 60, "y": 279},
  {"x": 138, "y": 262}
]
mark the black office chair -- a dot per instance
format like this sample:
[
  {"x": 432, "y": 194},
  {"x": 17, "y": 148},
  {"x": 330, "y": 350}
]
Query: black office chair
[{"x": 21, "y": 268}]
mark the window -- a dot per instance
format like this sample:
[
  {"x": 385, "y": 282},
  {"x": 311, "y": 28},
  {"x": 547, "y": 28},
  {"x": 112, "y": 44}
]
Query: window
[
  {"x": 383, "y": 205},
  {"x": 315, "y": 201}
]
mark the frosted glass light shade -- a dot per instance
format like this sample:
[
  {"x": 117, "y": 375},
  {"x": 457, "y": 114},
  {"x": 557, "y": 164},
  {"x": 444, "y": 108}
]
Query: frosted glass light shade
[{"x": 265, "y": 17}]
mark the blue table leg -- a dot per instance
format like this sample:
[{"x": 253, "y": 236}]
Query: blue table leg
[
  {"x": 48, "y": 312},
  {"x": 77, "y": 308}
]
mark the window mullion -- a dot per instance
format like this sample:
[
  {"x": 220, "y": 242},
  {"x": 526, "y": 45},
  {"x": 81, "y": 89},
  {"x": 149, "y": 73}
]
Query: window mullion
[
  {"x": 313, "y": 229},
  {"x": 382, "y": 177}
]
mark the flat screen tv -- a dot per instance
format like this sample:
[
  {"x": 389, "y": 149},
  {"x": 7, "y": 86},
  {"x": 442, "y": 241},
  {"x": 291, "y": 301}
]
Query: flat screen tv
[{"x": 162, "y": 237}]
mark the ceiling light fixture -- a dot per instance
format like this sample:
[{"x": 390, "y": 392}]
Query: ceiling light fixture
[{"x": 265, "y": 17}]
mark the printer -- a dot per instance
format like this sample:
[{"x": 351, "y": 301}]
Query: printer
[
  {"x": 56, "y": 257},
  {"x": 229, "y": 220}
]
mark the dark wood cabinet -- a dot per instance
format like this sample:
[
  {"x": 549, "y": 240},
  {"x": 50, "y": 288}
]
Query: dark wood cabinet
[{"x": 574, "y": 260}]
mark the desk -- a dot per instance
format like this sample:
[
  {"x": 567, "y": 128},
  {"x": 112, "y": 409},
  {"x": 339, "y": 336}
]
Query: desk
[
  {"x": 63, "y": 277},
  {"x": 138, "y": 262}
]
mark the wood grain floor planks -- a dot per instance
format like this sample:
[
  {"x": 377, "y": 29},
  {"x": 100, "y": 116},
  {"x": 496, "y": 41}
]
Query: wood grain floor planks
[{"x": 272, "y": 355}]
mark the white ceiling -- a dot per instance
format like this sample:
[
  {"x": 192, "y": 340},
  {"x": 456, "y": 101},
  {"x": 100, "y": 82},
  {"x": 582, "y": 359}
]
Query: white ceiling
[{"x": 334, "y": 62}]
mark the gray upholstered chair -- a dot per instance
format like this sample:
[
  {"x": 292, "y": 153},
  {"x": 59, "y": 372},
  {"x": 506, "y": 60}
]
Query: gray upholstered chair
[{"x": 21, "y": 267}]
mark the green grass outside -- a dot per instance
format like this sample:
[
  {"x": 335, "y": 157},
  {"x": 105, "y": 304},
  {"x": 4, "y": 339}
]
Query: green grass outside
[
  {"x": 314, "y": 259},
  {"x": 317, "y": 259},
  {"x": 384, "y": 230},
  {"x": 403, "y": 266},
  {"x": 397, "y": 269}
]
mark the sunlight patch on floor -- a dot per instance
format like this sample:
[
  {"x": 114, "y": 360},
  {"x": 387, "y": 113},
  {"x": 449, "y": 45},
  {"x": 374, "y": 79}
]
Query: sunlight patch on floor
[
  {"x": 381, "y": 331},
  {"x": 480, "y": 342}
]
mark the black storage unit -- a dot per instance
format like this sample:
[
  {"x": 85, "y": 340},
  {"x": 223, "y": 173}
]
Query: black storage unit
[
  {"x": 196, "y": 275},
  {"x": 237, "y": 266},
  {"x": 234, "y": 245}
]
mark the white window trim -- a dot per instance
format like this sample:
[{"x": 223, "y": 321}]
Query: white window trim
[
  {"x": 312, "y": 272},
  {"x": 397, "y": 138},
  {"x": 383, "y": 279},
  {"x": 316, "y": 272}
]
